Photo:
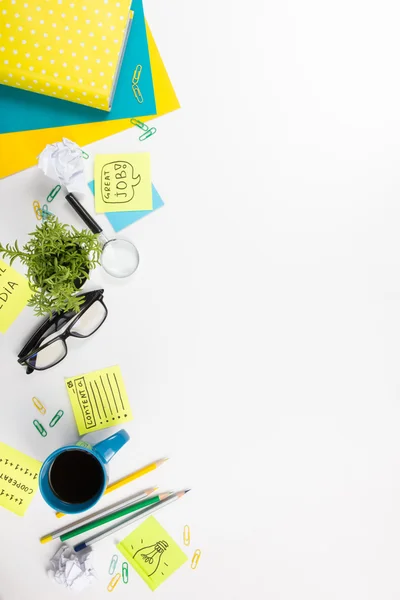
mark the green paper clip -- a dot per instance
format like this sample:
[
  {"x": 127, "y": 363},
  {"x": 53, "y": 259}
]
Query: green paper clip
[
  {"x": 53, "y": 193},
  {"x": 113, "y": 565},
  {"x": 137, "y": 93},
  {"x": 40, "y": 428},
  {"x": 147, "y": 134},
  {"x": 136, "y": 74},
  {"x": 84, "y": 154},
  {"x": 125, "y": 572},
  {"x": 140, "y": 124},
  {"x": 56, "y": 418}
]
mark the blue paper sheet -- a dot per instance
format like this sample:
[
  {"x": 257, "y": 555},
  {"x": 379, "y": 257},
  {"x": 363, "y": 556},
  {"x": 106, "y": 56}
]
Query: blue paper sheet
[
  {"x": 120, "y": 220},
  {"x": 21, "y": 110}
]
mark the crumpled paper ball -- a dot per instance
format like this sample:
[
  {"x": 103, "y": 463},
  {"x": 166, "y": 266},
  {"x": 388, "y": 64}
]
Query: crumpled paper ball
[
  {"x": 73, "y": 571},
  {"x": 63, "y": 162}
]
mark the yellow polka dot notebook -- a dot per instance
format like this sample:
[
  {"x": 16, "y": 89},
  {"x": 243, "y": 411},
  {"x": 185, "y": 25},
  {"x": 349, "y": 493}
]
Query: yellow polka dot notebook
[{"x": 68, "y": 49}]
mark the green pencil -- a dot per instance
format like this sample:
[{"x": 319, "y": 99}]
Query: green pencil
[{"x": 111, "y": 517}]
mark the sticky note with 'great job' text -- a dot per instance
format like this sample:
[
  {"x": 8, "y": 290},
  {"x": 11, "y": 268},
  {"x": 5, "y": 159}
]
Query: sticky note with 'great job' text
[{"x": 122, "y": 182}]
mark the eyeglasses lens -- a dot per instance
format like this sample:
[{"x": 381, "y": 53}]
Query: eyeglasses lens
[
  {"x": 90, "y": 320},
  {"x": 48, "y": 356}
]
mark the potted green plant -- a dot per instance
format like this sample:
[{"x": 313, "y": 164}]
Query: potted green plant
[{"x": 58, "y": 258}]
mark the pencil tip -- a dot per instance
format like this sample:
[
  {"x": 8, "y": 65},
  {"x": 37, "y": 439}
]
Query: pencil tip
[
  {"x": 164, "y": 495},
  {"x": 186, "y": 491}
]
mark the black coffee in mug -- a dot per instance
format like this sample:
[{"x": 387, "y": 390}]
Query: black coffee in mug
[{"x": 76, "y": 476}]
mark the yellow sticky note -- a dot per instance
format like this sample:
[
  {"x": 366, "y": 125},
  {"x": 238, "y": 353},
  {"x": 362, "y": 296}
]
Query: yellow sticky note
[
  {"x": 14, "y": 295},
  {"x": 99, "y": 399},
  {"x": 18, "y": 479},
  {"x": 123, "y": 182},
  {"x": 152, "y": 553}
]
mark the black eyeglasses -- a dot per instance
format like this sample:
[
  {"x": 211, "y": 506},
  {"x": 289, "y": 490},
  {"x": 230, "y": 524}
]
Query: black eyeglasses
[{"x": 45, "y": 349}]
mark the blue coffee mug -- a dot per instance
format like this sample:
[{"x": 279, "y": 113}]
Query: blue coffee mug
[{"x": 73, "y": 478}]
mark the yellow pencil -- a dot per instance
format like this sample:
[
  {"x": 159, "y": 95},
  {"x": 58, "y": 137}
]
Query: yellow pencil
[{"x": 127, "y": 479}]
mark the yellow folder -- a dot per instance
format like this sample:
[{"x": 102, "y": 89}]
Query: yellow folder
[
  {"x": 69, "y": 50},
  {"x": 20, "y": 150}
]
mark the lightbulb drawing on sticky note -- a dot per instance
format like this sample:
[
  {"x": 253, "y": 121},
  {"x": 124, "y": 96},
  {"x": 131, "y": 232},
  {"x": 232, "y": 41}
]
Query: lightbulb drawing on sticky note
[
  {"x": 151, "y": 555},
  {"x": 152, "y": 552}
]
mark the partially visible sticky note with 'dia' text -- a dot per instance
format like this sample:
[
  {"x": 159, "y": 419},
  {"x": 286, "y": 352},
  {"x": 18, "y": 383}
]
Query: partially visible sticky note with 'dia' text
[
  {"x": 123, "y": 182},
  {"x": 99, "y": 399},
  {"x": 18, "y": 479},
  {"x": 14, "y": 295},
  {"x": 152, "y": 552}
]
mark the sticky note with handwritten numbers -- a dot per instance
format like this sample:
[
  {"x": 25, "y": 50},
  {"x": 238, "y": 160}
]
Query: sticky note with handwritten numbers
[
  {"x": 19, "y": 475},
  {"x": 99, "y": 399}
]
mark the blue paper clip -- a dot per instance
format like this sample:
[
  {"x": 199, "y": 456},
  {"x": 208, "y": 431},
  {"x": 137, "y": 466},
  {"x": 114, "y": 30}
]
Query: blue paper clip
[
  {"x": 45, "y": 212},
  {"x": 113, "y": 565}
]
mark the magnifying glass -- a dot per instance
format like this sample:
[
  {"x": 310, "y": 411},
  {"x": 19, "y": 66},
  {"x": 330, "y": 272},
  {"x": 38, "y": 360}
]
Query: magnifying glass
[{"x": 119, "y": 257}]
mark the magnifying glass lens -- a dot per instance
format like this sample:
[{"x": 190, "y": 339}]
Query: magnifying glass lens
[{"x": 119, "y": 258}]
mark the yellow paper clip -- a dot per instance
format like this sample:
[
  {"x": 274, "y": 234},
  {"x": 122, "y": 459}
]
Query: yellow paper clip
[
  {"x": 37, "y": 209},
  {"x": 186, "y": 535},
  {"x": 195, "y": 559},
  {"x": 136, "y": 74},
  {"x": 39, "y": 405},
  {"x": 113, "y": 565},
  {"x": 113, "y": 583},
  {"x": 53, "y": 193},
  {"x": 84, "y": 154},
  {"x": 140, "y": 124},
  {"x": 137, "y": 93},
  {"x": 147, "y": 134}
]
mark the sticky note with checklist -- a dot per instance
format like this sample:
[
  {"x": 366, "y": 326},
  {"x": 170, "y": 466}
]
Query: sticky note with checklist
[
  {"x": 18, "y": 479},
  {"x": 152, "y": 553},
  {"x": 123, "y": 182},
  {"x": 99, "y": 399},
  {"x": 14, "y": 295}
]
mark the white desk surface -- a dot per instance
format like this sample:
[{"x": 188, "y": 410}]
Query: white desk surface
[{"x": 259, "y": 339}]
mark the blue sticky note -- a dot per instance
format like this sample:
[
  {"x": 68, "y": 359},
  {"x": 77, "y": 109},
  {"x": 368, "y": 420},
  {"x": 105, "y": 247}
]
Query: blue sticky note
[
  {"x": 120, "y": 220},
  {"x": 27, "y": 110}
]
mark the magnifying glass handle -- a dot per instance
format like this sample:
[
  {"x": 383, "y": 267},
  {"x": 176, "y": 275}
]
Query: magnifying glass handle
[{"x": 83, "y": 213}]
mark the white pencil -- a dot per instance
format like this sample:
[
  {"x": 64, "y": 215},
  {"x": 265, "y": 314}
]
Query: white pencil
[
  {"x": 100, "y": 513},
  {"x": 139, "y": 515}
]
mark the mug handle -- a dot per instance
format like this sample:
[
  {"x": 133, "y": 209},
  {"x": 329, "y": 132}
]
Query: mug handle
[{"x": 110, "y": 446}]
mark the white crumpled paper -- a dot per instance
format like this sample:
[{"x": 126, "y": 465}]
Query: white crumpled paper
[
  {"x": 63, "y": 162},
  {"x": 73, "y": 571}
]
